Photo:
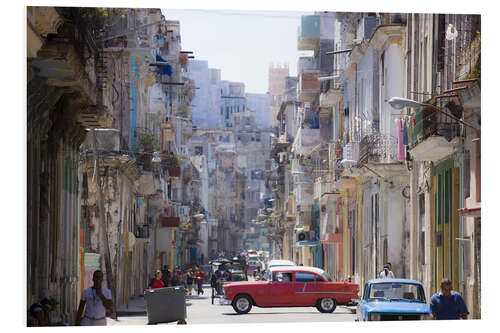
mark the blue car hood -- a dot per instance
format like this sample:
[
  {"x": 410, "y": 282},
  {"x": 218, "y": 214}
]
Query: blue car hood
[{"x": 396, "y": 307}]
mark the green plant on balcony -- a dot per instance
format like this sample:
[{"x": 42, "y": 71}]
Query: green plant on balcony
[
  {"x": 169, "y": 161},
  {"x": 184, "y": 111},
  {"x": 185, "y": 226},
  {"x": 147, "y": 142}
]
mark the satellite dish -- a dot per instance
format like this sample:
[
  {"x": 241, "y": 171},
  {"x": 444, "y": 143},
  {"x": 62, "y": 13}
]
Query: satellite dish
[{"x": 451, "y": 32}]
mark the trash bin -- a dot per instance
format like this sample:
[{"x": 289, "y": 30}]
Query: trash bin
[{"x": 165, "y": 304}]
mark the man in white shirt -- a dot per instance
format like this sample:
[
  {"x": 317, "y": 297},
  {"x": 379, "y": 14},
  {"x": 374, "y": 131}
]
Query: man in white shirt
[
  {"x": 94, "y": 302},
  {"x": 386, "y": 273}
]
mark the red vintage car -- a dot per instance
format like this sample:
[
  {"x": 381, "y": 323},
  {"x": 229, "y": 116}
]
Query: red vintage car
[{"x": 291, "y": 286}]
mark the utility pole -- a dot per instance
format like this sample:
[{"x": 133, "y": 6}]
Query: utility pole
[{"x": 103, "y": 229}]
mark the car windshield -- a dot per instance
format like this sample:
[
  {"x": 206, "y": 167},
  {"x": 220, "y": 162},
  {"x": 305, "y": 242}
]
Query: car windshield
[
  {"x": 394, "y": 291},
  {"x": 326, "y": 277}
]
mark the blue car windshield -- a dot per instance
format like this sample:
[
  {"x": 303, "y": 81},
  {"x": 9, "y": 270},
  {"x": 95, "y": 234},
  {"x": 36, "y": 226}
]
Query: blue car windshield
[{"x": 393, "y": 291}]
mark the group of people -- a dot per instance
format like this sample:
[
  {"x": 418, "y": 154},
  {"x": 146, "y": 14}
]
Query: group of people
[
  {"x": 40, "y": 313},
  {"x": 164, "y": 278}
]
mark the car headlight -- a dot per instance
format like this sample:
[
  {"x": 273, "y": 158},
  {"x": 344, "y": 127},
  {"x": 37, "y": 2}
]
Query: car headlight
[{"x": 374, "y": 316}]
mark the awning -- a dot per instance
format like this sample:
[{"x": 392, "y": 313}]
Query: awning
[
  {"x": 307, "y": 243},
  {"x": 169, "y": 222}
]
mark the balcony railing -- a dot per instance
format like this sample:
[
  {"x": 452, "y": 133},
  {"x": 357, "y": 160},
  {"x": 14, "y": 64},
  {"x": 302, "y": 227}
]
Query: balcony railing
[
  {"x": 350, "y": 154},
  {"x": 427, "y": 122},
  {"x": 379, "y": 148}
]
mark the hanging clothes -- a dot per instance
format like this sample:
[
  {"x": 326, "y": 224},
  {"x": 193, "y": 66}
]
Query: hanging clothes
[
  {"x": 401, "y": 147},
  {"x": 167, "y": 69},
  {"x": 405, "y": 133}
]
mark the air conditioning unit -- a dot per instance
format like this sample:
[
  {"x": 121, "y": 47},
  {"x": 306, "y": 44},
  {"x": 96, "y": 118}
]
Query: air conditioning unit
[{"x": 303, "y": 236}]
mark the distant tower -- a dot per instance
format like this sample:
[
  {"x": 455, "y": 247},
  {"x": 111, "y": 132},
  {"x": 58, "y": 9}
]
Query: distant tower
[{"x": 277, "y": 76}]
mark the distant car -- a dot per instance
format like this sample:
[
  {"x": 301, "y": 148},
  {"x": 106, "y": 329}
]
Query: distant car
[
  {"x": 253, "y": 265},
  {"x": 290, "y": 286},
  {"x": 392, "y": 299},
  {"x": 280, "y": 263}
]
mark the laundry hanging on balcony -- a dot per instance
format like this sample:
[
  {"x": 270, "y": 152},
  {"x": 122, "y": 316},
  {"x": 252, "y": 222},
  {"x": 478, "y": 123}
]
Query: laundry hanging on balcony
[
  {"x": 405, "y": 133},
  {"x": 401, "y": 147},
  {"x": 166, "y": 69}
]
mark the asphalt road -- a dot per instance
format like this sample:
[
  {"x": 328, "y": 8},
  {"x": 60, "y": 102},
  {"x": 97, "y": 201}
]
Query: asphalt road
[{"x": 201, "y": 311}]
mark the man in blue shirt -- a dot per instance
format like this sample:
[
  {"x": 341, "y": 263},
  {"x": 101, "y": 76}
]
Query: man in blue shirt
[{"x": 448, "y": 304}]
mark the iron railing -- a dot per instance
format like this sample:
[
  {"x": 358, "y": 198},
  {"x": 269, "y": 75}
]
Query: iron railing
[
  {"x": 379, "y": 148},
  {"x": 427, "y": 122}
]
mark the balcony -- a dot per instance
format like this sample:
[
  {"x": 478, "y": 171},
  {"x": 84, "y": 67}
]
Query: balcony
[
  {"x": 350, "y": 154},
  {"x": 184, "y": 125},
  {"x": 469, "y": 59},
  {"x": 309, "y": 33},
  {"x": 330, "y": 98},
  {"x": 434, "y": 135},
  {"x": 309, "y": 86},
  {"x": 306, "y": 64},
  {"x": 378, "y": 148},
  {"x": 324, "y": 187}
]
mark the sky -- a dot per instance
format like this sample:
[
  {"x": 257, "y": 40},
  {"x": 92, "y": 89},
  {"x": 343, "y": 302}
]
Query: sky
[{"x": 242, "y": 44}]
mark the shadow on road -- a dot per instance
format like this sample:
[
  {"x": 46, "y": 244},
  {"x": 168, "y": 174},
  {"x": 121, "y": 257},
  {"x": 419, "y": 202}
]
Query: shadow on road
[{"x": 273, "y": 313}]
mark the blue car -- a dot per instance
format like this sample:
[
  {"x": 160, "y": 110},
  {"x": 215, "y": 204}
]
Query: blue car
[{"x": 392, "y": 299}]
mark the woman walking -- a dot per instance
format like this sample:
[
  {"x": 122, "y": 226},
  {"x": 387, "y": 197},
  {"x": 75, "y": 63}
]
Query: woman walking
[
  {"x": 200, "y": 278},
  {"x": 189, "y": 281},
  {"x": 158, "y": 283}
]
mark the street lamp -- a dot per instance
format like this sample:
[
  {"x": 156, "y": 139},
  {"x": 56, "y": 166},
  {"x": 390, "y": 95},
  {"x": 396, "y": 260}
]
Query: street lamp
[{"x": 399, "y": 103}]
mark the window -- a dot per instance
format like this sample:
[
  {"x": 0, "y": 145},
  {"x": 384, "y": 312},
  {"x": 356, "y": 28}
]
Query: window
[
  {"x": 304, "y": 277},
  {"x": 320, "y": 279},
  {"x": 282, "y": 277},
  {"x": 397, "y": 291}
]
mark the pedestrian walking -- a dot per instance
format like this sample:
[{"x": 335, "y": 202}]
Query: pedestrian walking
[
  {"x": 158, "y": 282},
  {"x": 166, "y": 276},
  {"x": 189, "y": 281},
  {"x": 448, "y": 304},
  {"x": 386, "y": 273},
  {"x": 94, "y": 303},
  {"x": 200, "y": 278},
  {"x": 183, "y": 280},
  {"x": 176, "y": 281}
]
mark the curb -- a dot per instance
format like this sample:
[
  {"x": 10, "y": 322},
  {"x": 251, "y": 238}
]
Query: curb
[{"x": 130, "y": 313}]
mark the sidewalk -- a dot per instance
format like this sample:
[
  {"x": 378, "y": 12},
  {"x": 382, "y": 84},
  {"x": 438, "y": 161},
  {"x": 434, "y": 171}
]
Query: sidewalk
[{"x": 136, "y": 307}]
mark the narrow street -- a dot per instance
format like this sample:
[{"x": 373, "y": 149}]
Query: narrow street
[
  {"x": 334, "y": 156},
  {"x": 201, "y": 311}
]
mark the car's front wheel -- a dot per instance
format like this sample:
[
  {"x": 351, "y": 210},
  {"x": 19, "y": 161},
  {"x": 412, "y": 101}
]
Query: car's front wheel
[
  {"x": 326, "y": 305},
  {"x": 242, "y": 304}
]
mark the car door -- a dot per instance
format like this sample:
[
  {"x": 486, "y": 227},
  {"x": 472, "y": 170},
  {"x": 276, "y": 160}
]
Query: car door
[
  {"x": 278, "y": 291},
  {"x": 303, "y": 289},
  {"x": 361, "y": 307}
]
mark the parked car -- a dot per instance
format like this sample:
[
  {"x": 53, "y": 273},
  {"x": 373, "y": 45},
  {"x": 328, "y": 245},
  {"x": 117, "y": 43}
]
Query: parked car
[
  {"x": 290, "y": 286},
  {"x": 392, "y": 299}
]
